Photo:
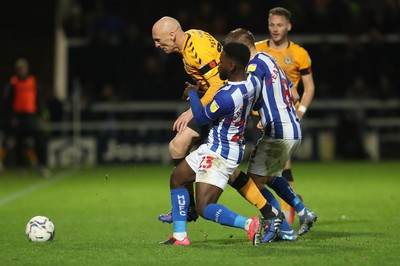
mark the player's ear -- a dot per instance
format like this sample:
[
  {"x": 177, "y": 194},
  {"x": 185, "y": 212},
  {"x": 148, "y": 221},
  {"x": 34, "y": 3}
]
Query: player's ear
[
  {"x": 289, "y": 27},
  {"x": 232, "y": 66}
]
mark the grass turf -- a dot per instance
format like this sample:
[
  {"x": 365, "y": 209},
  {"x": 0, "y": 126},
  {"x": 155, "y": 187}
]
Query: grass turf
[{"x": 107, "y": 215}]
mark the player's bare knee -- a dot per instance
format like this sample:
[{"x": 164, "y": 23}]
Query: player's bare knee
[
  {"x": 174, "y": 150},
  {"x": 171, "y": 148},
  {"x": 177, "y": 150}
]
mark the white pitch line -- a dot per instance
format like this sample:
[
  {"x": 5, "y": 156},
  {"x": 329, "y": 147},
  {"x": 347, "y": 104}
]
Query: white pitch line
[{"x": 35, "y": 187}]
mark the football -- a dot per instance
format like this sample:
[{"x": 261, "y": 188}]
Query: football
[{"x": 40, "y": 229}]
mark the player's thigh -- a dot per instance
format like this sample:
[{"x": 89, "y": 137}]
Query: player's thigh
[
  {"x": 185, "y": 138},
  {"x": 202, "y": 131},
  {"x": 270, "y": 156},
  {"x": 210, "y": 167},
  {"x": 181, "y": 175},
  {"x": 211, "y": 179}
]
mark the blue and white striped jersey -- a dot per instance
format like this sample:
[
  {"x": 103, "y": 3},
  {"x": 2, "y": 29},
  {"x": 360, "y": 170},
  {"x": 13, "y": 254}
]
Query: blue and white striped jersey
[
  {"x": 229, "y": 112},
  {"x": 275, "y": 103}
]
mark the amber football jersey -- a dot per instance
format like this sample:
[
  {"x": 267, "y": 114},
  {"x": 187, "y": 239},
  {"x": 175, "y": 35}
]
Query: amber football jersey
[
  {"x": 294, "y": 59},
  {"x": 200, "y": 55}
]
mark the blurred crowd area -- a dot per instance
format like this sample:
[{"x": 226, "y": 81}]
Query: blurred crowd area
[{"x": 113, "y": 55}]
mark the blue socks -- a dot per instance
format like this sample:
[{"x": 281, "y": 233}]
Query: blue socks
[
  {"x": 180, "y": 201},
  {"x": 285, "y": 226},
  {"x": 220, "y": 214},
  {"x": 282, "y": 187}
]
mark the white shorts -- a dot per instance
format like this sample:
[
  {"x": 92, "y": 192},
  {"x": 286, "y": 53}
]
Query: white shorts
[
  {"x": 210, "y": 167},
  {"x": 269, "y": 156}
]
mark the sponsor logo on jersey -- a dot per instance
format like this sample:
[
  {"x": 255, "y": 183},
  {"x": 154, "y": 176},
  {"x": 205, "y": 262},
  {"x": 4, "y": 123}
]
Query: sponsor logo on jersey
[
  {"x": 214, "y": 107},
  {"x": 288, "y": 60},
  {"x": 251, "y": 67}
]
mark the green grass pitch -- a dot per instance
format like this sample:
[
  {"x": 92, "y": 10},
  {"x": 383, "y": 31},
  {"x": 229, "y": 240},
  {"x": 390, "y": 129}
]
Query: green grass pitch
[{"x": 107, "y": 215}]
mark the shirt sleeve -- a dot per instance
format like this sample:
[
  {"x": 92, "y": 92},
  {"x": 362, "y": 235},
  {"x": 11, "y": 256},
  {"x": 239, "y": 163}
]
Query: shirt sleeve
[
  {"x": 211, "y": 112},
  {"x": 255, "y": 68},
  {"x": 304, "y": 62},
  {"x": 201, "y": 56},
  {"x": 215, "y": 83}
]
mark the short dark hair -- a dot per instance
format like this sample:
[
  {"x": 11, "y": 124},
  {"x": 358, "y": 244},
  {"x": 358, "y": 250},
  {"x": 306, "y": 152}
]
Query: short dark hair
[
  {"x": 242, "y": 36},
  {"x": 238, "y": 52},
  {"x": 280, "y": 11}
]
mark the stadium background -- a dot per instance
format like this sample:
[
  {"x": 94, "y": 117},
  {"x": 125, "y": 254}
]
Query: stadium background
[{"x": 112, "y": 96}]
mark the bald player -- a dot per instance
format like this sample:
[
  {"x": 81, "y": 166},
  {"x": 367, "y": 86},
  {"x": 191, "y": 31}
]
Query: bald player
[{"x": 200, "y": 55}]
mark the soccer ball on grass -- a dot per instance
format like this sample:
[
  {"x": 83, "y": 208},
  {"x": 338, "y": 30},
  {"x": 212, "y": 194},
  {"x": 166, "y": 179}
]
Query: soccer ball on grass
[{"x": 40, "y": 229}]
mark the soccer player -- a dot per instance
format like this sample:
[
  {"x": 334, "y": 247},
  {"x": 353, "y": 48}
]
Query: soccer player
[
  {"x": 200, "y": 54},
  {"x": 296, "y": 63},
  {"x": 211, "y": 165},
  {"x": 281, "y": 132}
]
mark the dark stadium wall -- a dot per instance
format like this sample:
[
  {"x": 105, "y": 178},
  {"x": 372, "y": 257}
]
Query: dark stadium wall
[{"x": 27, "y": 30}]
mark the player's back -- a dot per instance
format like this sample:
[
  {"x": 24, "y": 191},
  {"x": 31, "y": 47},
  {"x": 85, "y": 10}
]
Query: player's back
[
  {"x": 200, "y": 54},
  {"x": 236, "y": 99},
  {"x": 275, "y": 103}
]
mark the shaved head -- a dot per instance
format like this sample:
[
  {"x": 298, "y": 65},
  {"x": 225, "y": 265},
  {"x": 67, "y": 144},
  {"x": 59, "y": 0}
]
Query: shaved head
[
  {"x": 166, "y": 24},
  {"x": 168, "y": 34}
]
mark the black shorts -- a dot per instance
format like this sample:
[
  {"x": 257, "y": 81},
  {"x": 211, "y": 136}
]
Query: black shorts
[{"x": 201, "y": 130}]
